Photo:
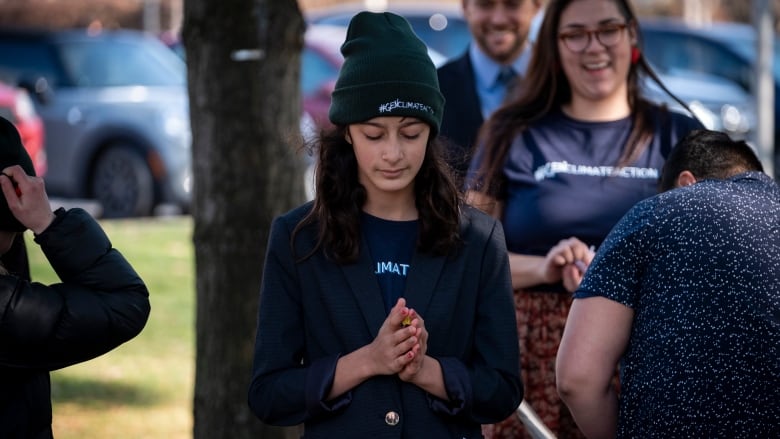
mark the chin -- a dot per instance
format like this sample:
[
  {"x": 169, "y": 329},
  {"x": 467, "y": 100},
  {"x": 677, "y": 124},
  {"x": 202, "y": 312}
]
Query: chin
[
  {"x": 391, "y": 187},
  {"x": 394, "y": 189}
]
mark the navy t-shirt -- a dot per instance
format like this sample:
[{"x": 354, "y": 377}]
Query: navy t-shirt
[
  {"x": 392, "y": 245},
  {"x": 561, "y": 180}
]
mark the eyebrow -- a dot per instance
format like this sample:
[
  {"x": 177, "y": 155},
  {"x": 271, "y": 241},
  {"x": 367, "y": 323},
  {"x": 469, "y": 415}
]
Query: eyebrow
[
  {"x": 410, "y": 122},
  {"x": 405, "y": 122},
  {"x": 604, "y": 21}
]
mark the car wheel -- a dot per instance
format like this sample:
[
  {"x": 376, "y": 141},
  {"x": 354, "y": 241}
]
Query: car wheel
[{"x": 122, "y": 183}]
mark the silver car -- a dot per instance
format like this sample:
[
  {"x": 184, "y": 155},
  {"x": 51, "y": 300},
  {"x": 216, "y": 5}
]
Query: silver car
[
  {"x": 115, "y": 111},
  {"x": 718, "y": 103}
]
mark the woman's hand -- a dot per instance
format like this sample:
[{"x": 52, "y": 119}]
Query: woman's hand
[
  {"x": 390, "y": 351},
  {"x": 422, "y": 370},
  {"x": 566, "y": 263},
  {"x": 418, "y": 351}
]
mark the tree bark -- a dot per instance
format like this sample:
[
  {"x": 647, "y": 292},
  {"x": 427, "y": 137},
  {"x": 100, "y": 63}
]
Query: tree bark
[{"x": 243, "y": 60}]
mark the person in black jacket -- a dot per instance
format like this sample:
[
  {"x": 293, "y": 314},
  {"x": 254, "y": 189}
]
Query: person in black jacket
[{"x": 100, "y": 303}]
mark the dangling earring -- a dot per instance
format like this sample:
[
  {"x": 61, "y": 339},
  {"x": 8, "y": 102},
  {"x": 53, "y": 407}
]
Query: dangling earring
[{"x": 635, "y": 54}]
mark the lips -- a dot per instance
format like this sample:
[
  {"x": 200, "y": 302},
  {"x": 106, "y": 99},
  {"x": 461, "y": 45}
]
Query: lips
[
  {"x": 596, "y": 65},
  {"x": 500, "y": 37},
  {"x": 391, "y": 173}
]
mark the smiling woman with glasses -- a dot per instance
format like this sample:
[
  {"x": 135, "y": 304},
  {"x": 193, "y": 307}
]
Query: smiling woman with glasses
[{"x": 559, "y": 165}]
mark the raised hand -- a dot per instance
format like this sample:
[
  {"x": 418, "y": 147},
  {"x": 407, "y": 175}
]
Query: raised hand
[{"x": 26, "y": 198}]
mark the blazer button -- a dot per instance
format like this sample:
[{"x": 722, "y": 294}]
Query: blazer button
[{"x": 392, "y": 418}]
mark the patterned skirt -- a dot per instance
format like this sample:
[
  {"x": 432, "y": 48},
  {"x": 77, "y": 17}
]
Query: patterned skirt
[{"x": 541, "y": 316}]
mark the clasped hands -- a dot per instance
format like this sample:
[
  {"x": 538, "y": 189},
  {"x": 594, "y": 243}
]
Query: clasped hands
[
  {"x": 566, "y": 262},
  {"x": 399, "y": 348}
]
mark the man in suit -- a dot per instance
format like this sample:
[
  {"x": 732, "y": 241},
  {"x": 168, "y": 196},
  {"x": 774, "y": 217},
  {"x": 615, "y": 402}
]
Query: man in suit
[{"x": 475, "y": 84}]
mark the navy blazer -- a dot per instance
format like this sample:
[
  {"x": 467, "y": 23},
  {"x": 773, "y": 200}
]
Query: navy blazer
[
  {"x": 313, "y": 311},
  {"x": 462, "y": 111}
]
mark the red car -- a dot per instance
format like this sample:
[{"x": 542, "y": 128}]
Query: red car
[
  {"x": 320, "y": 64},
  {"x": 16, "y": 106}
]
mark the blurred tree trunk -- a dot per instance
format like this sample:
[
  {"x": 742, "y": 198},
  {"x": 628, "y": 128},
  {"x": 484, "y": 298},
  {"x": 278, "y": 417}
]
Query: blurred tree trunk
[{"x": 243, "y": 60}]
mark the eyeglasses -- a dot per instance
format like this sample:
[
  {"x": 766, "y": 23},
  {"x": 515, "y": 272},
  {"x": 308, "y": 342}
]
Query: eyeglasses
[{"x": 577, "y": 40}]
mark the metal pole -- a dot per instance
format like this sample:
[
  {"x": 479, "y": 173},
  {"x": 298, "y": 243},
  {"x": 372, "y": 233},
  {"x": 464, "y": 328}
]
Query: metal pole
[
  {"x": 764, "y": 83},
  {"x": 533, "y": 424}
]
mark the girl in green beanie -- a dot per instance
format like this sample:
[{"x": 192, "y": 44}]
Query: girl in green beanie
[{"x": 386, "y": 303}]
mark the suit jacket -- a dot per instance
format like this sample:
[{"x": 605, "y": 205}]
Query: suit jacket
[
  {"x": 313, "y": 311},
  {"x": 462, "y": 115}
]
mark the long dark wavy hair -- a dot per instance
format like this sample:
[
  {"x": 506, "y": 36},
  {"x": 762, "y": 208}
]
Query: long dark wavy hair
[
  {"x": 339, "y": 199},
  {"x": 545, "y": 88}
]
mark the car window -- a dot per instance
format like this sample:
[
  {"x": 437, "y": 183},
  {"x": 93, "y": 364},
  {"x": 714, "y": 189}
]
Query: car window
[
  {"x": 30, "y": 60},
  {"x": 673, "y": 52},
  {"x": 747, "y": 48},
  {"x": 104, "y": 63}
]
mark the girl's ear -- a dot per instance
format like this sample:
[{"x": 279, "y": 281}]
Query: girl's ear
[
  {"x": 686, "y": 178},
  {"x": 348, "y": 138}
]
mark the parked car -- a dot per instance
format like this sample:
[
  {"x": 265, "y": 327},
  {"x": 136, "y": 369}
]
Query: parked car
[
  {"x": 440, "y": 25},
  {"x": 724, "y": 50},
  {"x": 718, "y": 103},
  {"x": 320, "y": 64},
  {"x": 17, "y": 107},
  {"x": 115, "y": 110}
]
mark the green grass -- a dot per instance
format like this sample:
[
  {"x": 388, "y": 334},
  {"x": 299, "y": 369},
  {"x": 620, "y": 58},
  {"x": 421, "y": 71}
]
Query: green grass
[{"x": 143, "y": 389}]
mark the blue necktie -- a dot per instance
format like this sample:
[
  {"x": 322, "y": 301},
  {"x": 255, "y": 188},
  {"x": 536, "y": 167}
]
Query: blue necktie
[{"x": 505, "y": 76}]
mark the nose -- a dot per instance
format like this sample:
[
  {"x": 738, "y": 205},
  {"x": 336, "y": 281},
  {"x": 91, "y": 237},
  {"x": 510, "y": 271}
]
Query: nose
[
  {"x": 499, "y": 14},
  {"x": 593, "y": 42},
  {"x": 392, "y": 151}
]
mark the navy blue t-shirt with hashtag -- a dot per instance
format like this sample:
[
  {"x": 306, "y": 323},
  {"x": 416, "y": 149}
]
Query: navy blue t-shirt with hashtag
[{"x": 392, "y": 245}]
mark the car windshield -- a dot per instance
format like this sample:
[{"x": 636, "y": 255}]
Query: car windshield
[
  {"x": 746, "y": 47},
  {"x": 104, "y": 63}
]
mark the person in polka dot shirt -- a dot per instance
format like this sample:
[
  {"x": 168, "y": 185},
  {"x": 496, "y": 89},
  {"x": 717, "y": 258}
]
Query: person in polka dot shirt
[{"x": 683, "y": 296}]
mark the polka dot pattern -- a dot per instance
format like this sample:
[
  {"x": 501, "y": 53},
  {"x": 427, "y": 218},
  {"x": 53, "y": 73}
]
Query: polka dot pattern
[{"x": 700, "y": 267}]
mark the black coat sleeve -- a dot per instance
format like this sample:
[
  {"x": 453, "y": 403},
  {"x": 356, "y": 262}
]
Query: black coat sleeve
[{"x": 100, "y": 303}]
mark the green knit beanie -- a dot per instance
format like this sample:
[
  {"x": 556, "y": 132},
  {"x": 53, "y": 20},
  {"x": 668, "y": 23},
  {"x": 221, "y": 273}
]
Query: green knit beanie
[
  {"x": 386, "y": 72},
  {"x": 12, "y": 152}
]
